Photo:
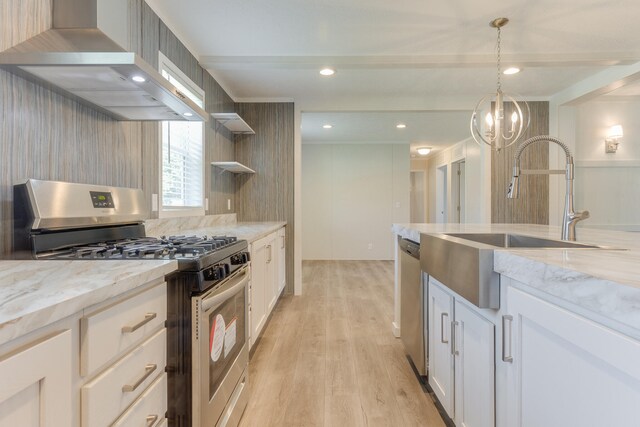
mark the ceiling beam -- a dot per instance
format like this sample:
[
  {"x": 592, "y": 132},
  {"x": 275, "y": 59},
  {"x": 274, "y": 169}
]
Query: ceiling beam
[{"x": 419, "y": 61}]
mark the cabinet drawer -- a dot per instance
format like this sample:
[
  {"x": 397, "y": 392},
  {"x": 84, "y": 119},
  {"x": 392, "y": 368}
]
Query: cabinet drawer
[
  {"x": 109, "y": 333},
  {"x": 104, "y": 398},
  {"x": 149, "y": 410}
]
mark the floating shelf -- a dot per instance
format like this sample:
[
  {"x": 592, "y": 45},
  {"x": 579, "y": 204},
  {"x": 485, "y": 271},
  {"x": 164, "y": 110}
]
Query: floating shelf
[
  {"x": 234, "y": 123},
  {"x": 233, "y": 167}
]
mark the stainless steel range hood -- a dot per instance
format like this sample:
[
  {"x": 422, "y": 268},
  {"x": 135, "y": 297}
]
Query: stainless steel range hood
[{"x": 76, "y": 58}]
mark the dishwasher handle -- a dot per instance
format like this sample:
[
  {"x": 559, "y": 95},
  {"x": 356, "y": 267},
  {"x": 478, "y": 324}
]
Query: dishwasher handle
[{"x": 410, "y": 247}]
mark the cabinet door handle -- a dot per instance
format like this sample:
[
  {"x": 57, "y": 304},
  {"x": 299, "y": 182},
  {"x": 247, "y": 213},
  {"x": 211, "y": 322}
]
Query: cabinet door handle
[
  {"x": 506, "y": 357},
  {"x": 454, "y": 351},
  {"x": 269, "y": 248},
  {"x": 282, "y": 247},
  {"x": 151, "y": 420},
  {"x": 148, "y": 370},
  {"x": 443, "y": 340},
  {"x": 147, "y": 318}
]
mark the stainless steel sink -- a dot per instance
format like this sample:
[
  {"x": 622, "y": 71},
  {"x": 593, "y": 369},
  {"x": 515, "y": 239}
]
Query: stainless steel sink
[
  {"x": 507, "y": 240},
  {"x": 464, "y": 261}
]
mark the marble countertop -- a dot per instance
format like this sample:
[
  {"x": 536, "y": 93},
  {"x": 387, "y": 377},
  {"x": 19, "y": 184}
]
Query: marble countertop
[
  {"x": 250, "y": 231},
  {"x": 604, "y": 283},
  {"x": 34, "y": 294}
]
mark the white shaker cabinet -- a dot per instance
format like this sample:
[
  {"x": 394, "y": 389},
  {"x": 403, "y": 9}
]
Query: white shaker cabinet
[
  {"x": 474, "y": 367},
  {"x": 282, "y": 260},
  {"x": 271, "y": 271},
  {"x": 563, "y": 369},
  {"x": 461, "y": 357},
  {"x": 123, "y": 350},
  {"x": 267, "y": 280},
  {"x": 257, "y": 289},
  {"x": 36, "y": 385},
  {"x": 263, "y": 286},
  {"x": 440, "y": 356}
]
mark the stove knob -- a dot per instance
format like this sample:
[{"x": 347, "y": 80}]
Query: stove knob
[
  {"x": 221, "y": 271},
  {"x": 210, "y": 274},
  {"x": 239, "y": 259}
]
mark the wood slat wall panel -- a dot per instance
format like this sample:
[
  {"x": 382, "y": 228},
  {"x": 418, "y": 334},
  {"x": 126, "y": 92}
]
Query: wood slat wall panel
[
  {"x": 532, "y": 207},
  {"x": 220, "y": 146},
  {"x": 150, "y": 34},
  {"x": 177, "y": 53},
  {"x": 15, "y": 28},
  {"x": 267, "y": 195},
  {"x": 145, "y": 34}
]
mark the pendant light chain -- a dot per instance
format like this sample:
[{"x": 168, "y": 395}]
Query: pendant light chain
[{"x": 499, "y": 57}]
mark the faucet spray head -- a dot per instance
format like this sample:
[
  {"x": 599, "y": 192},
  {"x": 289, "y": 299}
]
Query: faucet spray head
[{"x": 514, "y": 187}]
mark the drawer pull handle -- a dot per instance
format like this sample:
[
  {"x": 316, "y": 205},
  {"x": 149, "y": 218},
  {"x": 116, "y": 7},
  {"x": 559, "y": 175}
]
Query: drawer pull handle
[
  {"x": 506, "y": 337},
  {"x": 148, "y": 371},
  {"x": 454, "y": 351},
  {"x": 147, "y": 318},
  {"x": 151, "y": 420}
]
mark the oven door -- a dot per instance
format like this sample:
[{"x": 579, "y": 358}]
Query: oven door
[{"x": 220, "y": 352}]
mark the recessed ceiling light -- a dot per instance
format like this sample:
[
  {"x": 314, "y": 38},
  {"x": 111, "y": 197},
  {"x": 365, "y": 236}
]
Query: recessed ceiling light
[
  {"x": 423, "y": 151},
  {"x": 511, "y": 70},
  {"x": 327, "y": 126},
  {"x": 187, "y": 114},
  {"x": 327, "y": 71},
  {"x": 401, "y": 126},
  {"x": 138, "y": 79}
]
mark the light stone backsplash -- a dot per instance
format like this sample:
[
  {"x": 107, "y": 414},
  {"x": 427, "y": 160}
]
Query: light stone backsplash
[{"x": 169, "y": 226}]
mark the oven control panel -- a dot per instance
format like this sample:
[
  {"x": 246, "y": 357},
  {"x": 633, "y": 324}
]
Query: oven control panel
[{"x": 102, "y": 199}]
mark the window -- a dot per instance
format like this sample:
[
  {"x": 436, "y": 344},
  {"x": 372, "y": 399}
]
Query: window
[{"x": 182, "y": 177}]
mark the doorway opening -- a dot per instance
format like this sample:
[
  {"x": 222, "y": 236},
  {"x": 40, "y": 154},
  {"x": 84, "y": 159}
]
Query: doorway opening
[{"x": 442, "y": 214}]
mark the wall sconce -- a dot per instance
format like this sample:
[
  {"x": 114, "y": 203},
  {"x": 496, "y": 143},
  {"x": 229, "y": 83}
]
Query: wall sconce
[{"x": 613, "y": 139}]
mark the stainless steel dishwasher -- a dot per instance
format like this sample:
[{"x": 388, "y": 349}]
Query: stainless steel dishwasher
[{"x": 411, "y": 304}]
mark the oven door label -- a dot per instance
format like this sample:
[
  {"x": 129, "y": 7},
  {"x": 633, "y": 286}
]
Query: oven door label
[
  {"x": 217, "y": 337},
  {"x": 230, "y": 337}
]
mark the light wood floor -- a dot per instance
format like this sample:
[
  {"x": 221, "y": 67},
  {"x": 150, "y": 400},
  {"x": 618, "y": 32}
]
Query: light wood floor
[{"x": 328, "y": 358}]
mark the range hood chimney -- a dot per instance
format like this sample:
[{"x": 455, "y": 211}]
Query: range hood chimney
[{"x": 77, "y": 59}]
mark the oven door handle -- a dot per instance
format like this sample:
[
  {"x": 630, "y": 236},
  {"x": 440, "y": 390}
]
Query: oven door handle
[{"x": 218, "y": 298}]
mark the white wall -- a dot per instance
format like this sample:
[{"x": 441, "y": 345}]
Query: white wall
[
  {"x": 608, "y": 185},
  {"x": 351, "y": 194},
  {"x": 563, "y": 124},
  {"x": 477, "y": 181}
]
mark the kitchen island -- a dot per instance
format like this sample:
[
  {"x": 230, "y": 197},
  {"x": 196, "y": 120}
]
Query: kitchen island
[{"x": 562, "y": 347}]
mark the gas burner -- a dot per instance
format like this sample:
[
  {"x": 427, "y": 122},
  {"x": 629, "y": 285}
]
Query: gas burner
[
  {"x": 97, "y": 251},
  {"x": 155, "y": 251}
]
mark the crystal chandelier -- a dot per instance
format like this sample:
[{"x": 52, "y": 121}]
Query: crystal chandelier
[{"x": 498, "y": 132}]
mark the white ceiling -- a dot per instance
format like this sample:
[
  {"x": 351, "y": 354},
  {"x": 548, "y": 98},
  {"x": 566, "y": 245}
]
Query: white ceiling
[
  {"x": 434, "y": 129},
  {"x": 399, "y": 56}
]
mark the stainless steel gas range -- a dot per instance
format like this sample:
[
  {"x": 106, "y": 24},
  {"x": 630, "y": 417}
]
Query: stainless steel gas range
[{"x": 207, "y": 330}]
